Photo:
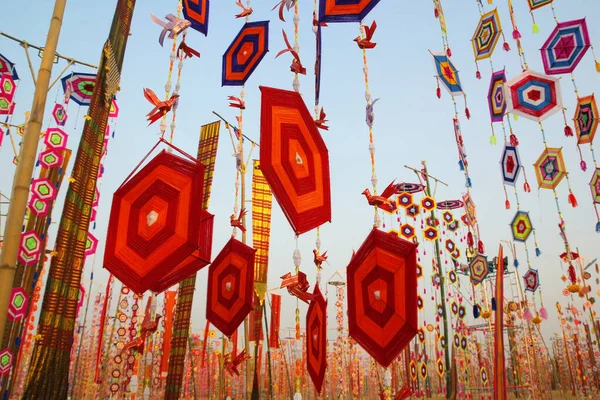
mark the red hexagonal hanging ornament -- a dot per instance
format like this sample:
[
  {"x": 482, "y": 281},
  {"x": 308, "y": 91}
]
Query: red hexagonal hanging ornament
[
  {"x": 230, "y": 286},
  {"x": 316, "y": 339},
  {"x": 294, "y": 159},
  {"x": 157, "y": 233},
  {"x": 382, "y": 295}
]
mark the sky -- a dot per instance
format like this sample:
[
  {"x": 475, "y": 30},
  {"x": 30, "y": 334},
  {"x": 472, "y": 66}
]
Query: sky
[{"x": 411, "y": 123}]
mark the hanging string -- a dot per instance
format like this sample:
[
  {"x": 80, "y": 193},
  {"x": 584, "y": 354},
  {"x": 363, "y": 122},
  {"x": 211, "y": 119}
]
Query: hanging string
[
  {"x": 169, "y": 84},
  {"x": 177, "y": 87},
  {"x": 517, "y": 36},
  {"x": 369, "y": 100}
]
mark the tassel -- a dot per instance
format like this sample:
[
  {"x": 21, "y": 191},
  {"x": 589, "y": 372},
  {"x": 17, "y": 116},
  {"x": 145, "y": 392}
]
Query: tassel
[
  {"x": 573, "y": 200},
  {"x": 513, "y": 140},
  {"x": 476, "y": 311},
  {"x": 490, "y": 1},
  {"x": 37, "y": 163},
  {"x": 568, "y": 131},
  {"x": 516, "y": 34},
  {"x": 478, "y": 75},
  {"x": 544, "y": 313},
  {"x": 572, "y": 275},
  {"x": 438, "y": 92},
  {"x": 526, "y": 187},
  {"x": 598, "y": 227},
  {"x": 527, "y": 315},
  {"x": 583, "y": 165},
  {"x": 494, "y": 305},
  {"x": 538, "y": 252},
  {"x": 598, "y": 66},
  {"x": 535, "y": 28},
  {"x": 506, "y": 46},
  {"x": 469, "y": 184},
  {"x": 467, "y": 113},
  {"x": 470, "y": 241},
  {"x": 480, "y": 247},
  {"x": 493, "y": 140},
  {"x": 461, "y": 165},
  {"x": 516, "y": 263},
  {"x": 449, "y": 52},
  {"x": 436, "y": 12},
  {"x": 507, "y": 204}
]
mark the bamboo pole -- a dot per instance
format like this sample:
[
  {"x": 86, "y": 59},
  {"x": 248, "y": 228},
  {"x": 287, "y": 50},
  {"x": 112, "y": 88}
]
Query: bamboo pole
[
  {"x": 442, "y": 289},
  {"x": 24, "y": 170}
]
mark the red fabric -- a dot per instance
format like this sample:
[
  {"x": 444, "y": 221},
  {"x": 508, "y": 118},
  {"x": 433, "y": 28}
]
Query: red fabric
[
  {"x": 230, "y": 287},
  {"x": 500, "y": 382},
  {"x": 294, "y": 159},
  {"x": 316, "y": 339},
  {"x": 382, "y": 295},
  {"x": 153, "y": 255},
  {"x": 275, "y": 321}
]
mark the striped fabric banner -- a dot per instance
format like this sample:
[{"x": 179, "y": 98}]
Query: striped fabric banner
[
  {"x": 262, "y": 201},
  {"x": 207, "y": 154},
  {"x": 499, "y": 365},
  {"x": 275, "y": 321},
  {"x": 48, "y": 373}
]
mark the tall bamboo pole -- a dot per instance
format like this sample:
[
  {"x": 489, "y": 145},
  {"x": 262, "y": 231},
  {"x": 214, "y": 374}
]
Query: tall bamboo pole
[
  {"x": 442, "y": 289},
  {"x": 24, "y": 170}
]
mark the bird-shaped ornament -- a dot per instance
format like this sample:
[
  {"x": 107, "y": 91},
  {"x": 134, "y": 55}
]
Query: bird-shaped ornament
[
  {"x": 174, "y": 26},
  {"x": 246, "y": 11},
  {"x": 382, "y": 201},
  {"x": 319, "y": 259},
  {"x": 296, "y": 66},
  {"x": 366, "y": 43},
  {"x": 237, "y": 222},
  {"x": 188, "y": 52},
  {"x": 161, "y": 108},
  {"x": 321, "y": 120},
  {"x": 284, "y": 3},
  {"x": 236, "y": 102}
]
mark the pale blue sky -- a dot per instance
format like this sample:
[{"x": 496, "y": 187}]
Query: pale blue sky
[{"x": 411, "y": 123}]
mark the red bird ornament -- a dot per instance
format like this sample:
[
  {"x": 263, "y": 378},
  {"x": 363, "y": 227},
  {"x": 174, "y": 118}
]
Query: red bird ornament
[
  {"x": 161, "y": 108},
  {"x": 236, "y": 102},
  {"x": 318, "y": 259},
  {"x": 237, "y": 222},
  {"x": 187, "y": 51},
  {"x": 321, "y": 120},
  {"x": 246, "y": 10},
  {"x": 296, "y": 66},
  {"x": 366, "y": 42},
  {"x": 232, "y": 364},
  {"x": 284, "y": 4},
  {"x": 382, "y": 201}
]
